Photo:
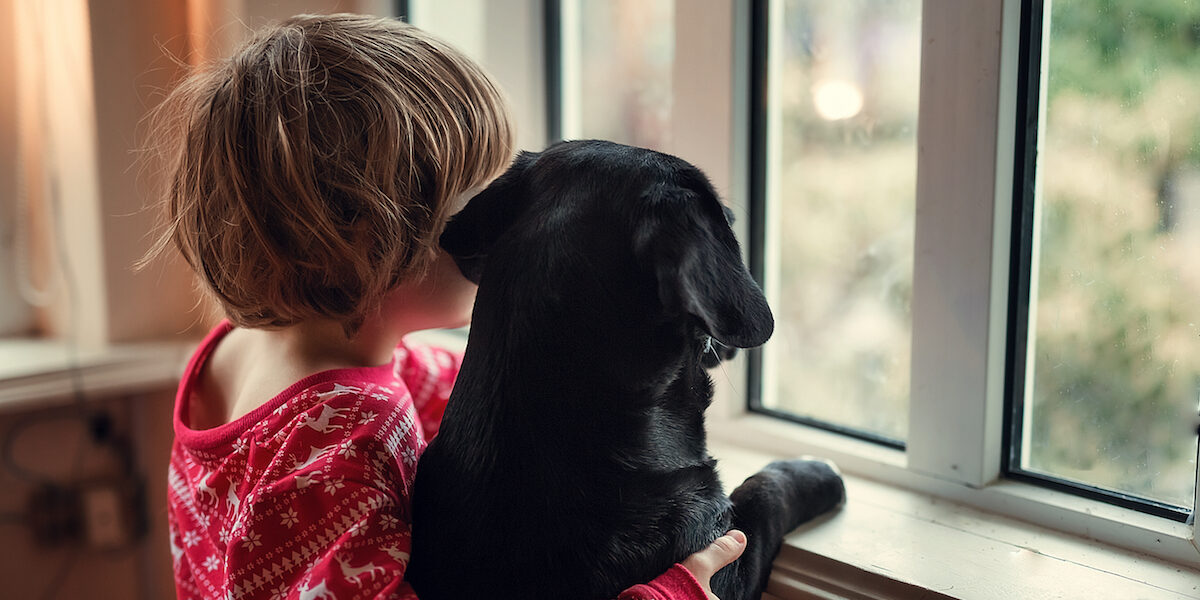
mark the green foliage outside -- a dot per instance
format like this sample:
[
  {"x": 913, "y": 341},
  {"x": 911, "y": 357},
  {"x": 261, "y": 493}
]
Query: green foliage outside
[
  {"x": 1116, "y": 363},
  {"x": 1117, "y": 371},
  {"x": 846, "y": 194}
]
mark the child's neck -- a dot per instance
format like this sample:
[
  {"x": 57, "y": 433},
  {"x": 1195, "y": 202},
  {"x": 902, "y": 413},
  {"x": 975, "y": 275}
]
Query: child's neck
[
  {"x": 324, "y": 344},
  {"x": 251, "y": 366}
]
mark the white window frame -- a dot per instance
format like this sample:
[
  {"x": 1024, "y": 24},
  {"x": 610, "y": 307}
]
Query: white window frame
[{"x": 966, "y": 149}]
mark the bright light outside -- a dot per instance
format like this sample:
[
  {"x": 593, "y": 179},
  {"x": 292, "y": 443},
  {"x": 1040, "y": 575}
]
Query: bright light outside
[
  {"x": 837, "y": 100},
  {"x": 841, "y": 127},
  {"x": 1116, "y": 366}
]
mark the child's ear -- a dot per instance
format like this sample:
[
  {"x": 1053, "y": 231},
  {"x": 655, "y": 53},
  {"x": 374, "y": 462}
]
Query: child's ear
[{"x": 470, "y": 234}]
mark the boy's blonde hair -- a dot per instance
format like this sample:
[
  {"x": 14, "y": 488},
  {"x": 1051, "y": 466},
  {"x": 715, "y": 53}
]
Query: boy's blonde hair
[{"x": 314, "y": 170}]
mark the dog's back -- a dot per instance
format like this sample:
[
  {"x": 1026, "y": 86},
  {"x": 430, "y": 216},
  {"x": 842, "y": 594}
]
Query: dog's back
[{"x": 571, "y": 461}]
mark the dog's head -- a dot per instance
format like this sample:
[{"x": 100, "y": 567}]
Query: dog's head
[{"x": 622, "y": 232}]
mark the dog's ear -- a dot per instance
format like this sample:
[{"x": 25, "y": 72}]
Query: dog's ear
[
  {"x": 470, "y": 234},
  {"x": 694, "y": 255}
]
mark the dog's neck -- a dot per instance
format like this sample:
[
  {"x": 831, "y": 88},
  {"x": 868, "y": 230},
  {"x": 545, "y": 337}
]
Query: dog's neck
[{"x": 571, "y": 385}]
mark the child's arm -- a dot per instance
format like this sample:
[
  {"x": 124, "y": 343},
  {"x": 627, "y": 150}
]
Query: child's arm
[
  {"x": 690, "y": 580},
  {"x": 676, "y": 584}
]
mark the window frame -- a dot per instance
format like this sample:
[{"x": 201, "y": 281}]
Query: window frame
[
  {"x": 1025, "y": 239},
  {"x": 763, "y": 233},
  {"x": 968, "y": 143}
]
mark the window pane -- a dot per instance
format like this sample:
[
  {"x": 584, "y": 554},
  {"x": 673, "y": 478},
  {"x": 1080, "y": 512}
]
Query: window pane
[
  {"x": 1116, "y": 366},
  {"x": 616, "y": 73},
  {"x": 15, "y": 314},
  {"x": 462, "y": 23},
  {"x": 841, "y": 127}
]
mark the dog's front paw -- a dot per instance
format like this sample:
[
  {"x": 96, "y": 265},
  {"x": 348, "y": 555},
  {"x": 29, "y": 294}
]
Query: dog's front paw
[
  {"x": 840, "y": 483},
  {"x": 817, "y": 483}
]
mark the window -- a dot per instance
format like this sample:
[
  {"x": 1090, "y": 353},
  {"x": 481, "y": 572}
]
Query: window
[
  {"x": 972, "y": 220},
  {"x": 841, "y": 167},
  {"x": 1104, "y": 405},
  {"x": 14, "y": 310},
  {"x": 460, "y": 22},
  {"x": 615, "y": 76},
  {"x": 1113, "y": 377},
  {"x": 27, "y": 241}
]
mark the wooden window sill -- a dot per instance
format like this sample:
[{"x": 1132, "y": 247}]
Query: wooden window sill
[{"x": 888, "y": 542}]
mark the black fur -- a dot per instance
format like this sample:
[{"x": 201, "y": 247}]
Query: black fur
[{"x": 571, "y": 461}]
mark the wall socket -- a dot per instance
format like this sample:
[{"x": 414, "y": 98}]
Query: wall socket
[{"x": 110, "y": 513}]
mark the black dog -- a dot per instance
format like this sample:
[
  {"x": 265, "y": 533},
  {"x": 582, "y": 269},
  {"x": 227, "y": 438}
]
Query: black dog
[{"x": 571, "y": 461}]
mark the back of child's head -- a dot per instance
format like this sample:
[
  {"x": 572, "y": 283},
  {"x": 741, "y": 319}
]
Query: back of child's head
[{"x": 312, "y": 172}]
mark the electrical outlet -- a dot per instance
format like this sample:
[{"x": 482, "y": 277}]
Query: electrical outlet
[{"x": 103, "y": 518}]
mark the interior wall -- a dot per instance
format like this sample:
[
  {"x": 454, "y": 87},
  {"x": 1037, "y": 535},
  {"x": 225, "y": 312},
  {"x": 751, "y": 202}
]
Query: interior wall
[
  {"x": 77, "y": 81},
  {"x": 58, "y": 145},
  {"x": 133, "y": 61}
]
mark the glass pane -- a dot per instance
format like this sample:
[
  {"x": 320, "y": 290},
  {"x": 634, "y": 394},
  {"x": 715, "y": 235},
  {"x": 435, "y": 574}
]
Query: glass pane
[
  {"x": 462, "y": 23},
  {"x": 617, "y": 57},
  {"x": 1116, "y": 363},
  {"x": 842, "y": 116},
  {"x": 15, "y": 315}
]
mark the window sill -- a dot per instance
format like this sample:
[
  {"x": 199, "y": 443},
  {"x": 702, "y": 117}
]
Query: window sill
[
  {"x": 889, "y": 542},
  {"x": 41, "y": 373}
]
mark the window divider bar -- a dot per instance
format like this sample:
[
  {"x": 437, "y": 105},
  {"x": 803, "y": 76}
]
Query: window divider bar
[
  {"x": 757, "y": 85},
  {"x": 552, "y": 26},
  {"x": 955, "y": 426}
]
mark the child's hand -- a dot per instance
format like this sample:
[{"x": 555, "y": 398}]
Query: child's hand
[{"x": 705, "y": 563}]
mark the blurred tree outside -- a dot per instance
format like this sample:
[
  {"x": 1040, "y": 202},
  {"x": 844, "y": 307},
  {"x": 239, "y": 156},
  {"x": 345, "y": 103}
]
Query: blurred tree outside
[
  {"x": 625, "y": 49},
  {"x": 1117, "y": 310},
  {"x": 844, "y": 104},
  {"x": 1117, "y": 372}
]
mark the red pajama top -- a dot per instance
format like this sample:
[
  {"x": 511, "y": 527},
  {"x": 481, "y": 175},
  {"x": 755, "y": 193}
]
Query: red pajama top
[{"x": 307, "y": 496}]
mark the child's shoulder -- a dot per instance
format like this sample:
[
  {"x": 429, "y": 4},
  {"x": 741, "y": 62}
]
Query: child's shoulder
[
  {"x": 336, "y": 420},
  {"x": 417, "y": 359},
  {"x": 348, "y": 397}
]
